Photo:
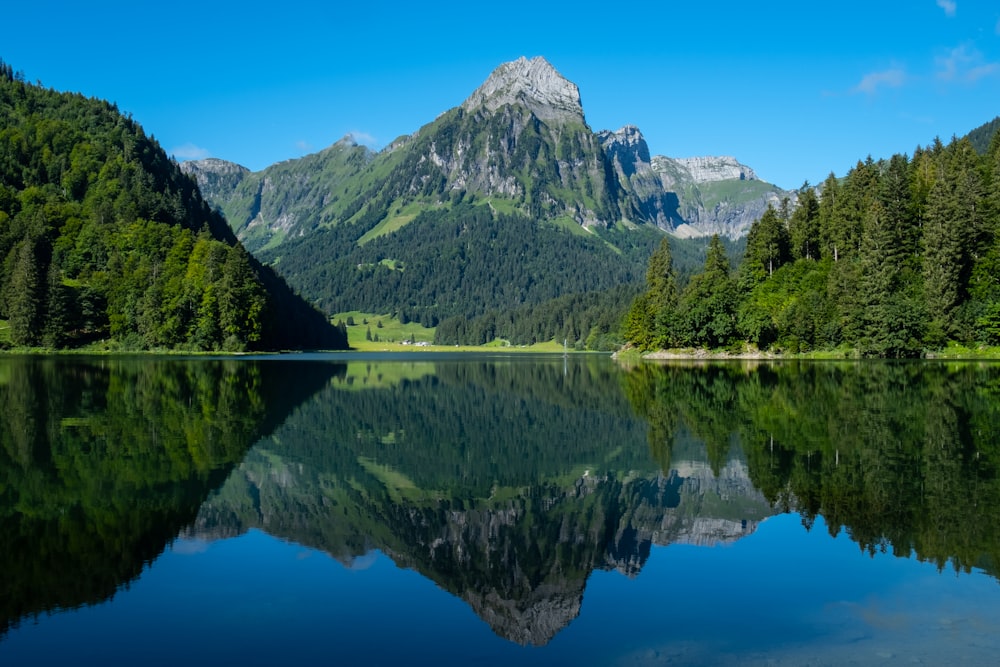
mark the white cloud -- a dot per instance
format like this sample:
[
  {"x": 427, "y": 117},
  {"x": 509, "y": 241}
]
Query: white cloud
[
  {"x": 303, "y": 146},
  {"x": 363, "y": 138},
  {"x": 964, "y": 65},
  {"x": 890, "y": 78},
  {"x": 949, "y": 6},
  {"x": 189, "y": 152}
]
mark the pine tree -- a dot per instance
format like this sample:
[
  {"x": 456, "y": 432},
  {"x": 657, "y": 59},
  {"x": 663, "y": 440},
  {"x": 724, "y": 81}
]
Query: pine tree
[
  {"x": 942, "y": 261},
  {"x": 661, "y": 296},
  {"x": 25, "y": 296},
  {"x": 984, "y": 285},
  {"x": 708, "y": 304},
  {"x": 803, "y": 226},
  {"x": 57, "y": 309},
  {"x": 768, "y": 246},
  {"x": 829, "y": 220},
  {"x": 955, "y": 232},
  {"x": 890, "y": 326}
]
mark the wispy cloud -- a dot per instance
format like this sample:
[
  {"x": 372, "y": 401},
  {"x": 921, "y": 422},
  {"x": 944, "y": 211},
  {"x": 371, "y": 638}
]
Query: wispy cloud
[
  {"x": 949, "y": 6},
  {"x": 303, "y": 146},
  {"x": 964, "y": 64},
  {"x": 363, "y": 138},
  {"x": 890, "y": 78},
  {"x": 189, "y": 152}
]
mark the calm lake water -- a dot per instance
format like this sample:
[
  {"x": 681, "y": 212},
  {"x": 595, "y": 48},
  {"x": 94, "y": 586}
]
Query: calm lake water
[{"x": 474, "y": 510}]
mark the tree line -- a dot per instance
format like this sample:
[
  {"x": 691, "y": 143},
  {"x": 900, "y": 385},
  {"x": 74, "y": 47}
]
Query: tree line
[{"x": 899, "y": 257}]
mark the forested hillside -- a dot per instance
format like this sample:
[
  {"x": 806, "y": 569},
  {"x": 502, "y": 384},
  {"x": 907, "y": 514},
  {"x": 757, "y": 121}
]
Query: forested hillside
[
  {"x": 459, "y": 260},
  {"x": 983, "y": 135},
  {"x": 103, "y": 238},
  {"x": 900, "y": 257}
]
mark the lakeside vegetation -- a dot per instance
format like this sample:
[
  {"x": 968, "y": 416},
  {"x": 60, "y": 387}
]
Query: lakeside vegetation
[{"x": 901, "y": 258}]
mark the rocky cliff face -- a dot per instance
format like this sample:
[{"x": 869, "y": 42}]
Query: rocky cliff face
[
  {"x": 654, "y": 198},
  {"x": 689, "y": 197},
  {"x": 533, "y": 84},
  {"x": 217, "y": 179},
  {"x": 711, "y": 169}
]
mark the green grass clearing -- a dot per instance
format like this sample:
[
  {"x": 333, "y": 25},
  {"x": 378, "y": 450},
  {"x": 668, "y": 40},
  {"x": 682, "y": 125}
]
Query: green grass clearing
[
  {"x": 396, "y": 219},
  {"x": 394, "y": 336}
]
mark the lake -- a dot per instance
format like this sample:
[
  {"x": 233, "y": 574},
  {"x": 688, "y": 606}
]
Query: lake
[{"x": 494, "y": 510}]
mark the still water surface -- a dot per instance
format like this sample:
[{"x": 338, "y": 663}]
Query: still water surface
[{"x": 345, "y": 510}]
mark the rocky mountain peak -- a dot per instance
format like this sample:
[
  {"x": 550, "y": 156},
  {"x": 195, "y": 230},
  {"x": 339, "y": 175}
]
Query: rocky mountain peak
[
  {"x": 347, "y": 141},
  {"x": 216, "y": 178},
  {"x": 711, "y": 169},
  {"x": 212, "y": 165},
  {"x": 626, "y": 148},
  {"x": 532, "y": 83}
]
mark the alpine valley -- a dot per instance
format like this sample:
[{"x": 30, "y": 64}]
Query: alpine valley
[{"x": 506, "y": 201}]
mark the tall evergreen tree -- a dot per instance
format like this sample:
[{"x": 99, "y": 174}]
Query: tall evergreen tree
[
  {"x": 661, "y": 295},
  {"x": 26, "y": 295},
  {"x": 829, "y": 220},
  {"x": 891, "y": 322},
  {"x": 708, "y": 305},
  {"x": 803, "y": 226},
  {"x": 860, "y": 187},
  {"x": 58, "y": 305},
  {"x": 942, "y": 261},
  {"x": 768, "y": 246},
  {"x": 955, "y": 233}
]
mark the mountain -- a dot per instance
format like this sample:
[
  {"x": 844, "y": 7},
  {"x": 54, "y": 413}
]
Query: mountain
[
  {"x": 689, "y": 197},
  {"x": 104, "y": 238},
  {"x": 520, "y": 138},
  {"x": 519, "y": 143},
  {"x": 509, "y": 199},
  {"x": 291, "y": 197}
]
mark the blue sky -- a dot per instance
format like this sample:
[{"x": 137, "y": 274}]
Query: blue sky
[{"x": 795, "y": 90}]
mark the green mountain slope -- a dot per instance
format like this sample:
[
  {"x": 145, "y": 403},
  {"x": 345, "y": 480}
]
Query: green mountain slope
[
  {"x": 983, "y": 135},
  {"x": 103, "y": 237},
  {"x": 456, "y": 260}
]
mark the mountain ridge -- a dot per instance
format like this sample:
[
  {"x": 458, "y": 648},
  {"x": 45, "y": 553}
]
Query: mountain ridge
[{"x": 521, "y": 135}]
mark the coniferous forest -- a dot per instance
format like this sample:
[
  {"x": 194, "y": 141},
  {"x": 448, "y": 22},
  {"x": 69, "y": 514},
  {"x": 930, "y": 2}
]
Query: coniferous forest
[
  {"x": 102, "y": 238},
  {"x": 898, "y": 258}
]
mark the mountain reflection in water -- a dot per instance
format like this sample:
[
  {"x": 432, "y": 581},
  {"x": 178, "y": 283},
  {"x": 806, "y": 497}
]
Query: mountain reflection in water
[{"x": 505, "y": 482}]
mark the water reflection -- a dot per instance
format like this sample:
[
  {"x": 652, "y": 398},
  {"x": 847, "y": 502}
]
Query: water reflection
[
  {"x": 507, "y": 483},
  {"x": 104, "y": 461},
  {"x": 901, "y": 456}
]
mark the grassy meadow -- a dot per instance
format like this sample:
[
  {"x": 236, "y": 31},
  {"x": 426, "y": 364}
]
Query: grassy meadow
[{"x": 394, "y": 336}]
